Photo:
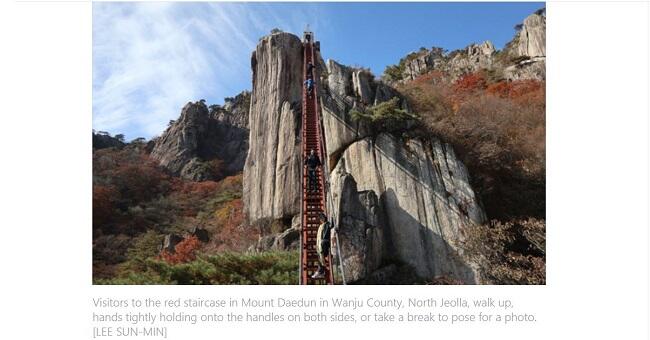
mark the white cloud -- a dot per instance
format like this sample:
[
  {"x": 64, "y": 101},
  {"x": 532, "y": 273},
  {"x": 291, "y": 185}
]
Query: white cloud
[{"x": 149, "y": 59}]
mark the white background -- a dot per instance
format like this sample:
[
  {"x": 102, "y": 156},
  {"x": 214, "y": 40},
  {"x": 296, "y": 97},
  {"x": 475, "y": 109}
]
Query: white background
[{"x": 597, "y": 161}]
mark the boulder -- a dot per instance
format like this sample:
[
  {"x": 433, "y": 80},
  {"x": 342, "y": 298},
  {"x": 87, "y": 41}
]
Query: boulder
[
  {"x": 349, "y": 88},
  {"x": 265, "y": 243},
  {"x": 478, "y": 50},
  {"x": 383, "y": 274},
  {"x": 169, "y": 243},
  {"x": 361, "y": 224},
  {"x": 201, "y": 234},
  {"x": 473, "y": 58},
  {"x": 287, "y": 240}
]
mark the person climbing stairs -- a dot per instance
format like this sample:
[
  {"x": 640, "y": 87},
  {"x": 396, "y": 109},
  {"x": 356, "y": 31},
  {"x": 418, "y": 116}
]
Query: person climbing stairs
[{"x": 314, "y": 195}]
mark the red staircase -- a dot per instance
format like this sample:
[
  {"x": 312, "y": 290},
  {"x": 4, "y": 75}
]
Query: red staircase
[{"x": 313, "y": 203}]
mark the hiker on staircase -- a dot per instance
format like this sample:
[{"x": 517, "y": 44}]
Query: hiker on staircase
[
  {"x": 310, "y": 70},
  {"x": 322, "y": 245},
  {"x": 309, "y": 83},
  {"x": 312, "y": 162}
]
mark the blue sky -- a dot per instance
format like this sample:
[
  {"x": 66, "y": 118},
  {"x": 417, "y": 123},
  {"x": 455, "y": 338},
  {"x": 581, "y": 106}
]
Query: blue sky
[{"x": 149, "y": 59}]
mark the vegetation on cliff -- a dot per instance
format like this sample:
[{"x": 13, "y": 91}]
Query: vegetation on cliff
[
  {"x": 498, "y": 129},
  {"x": 385, "y": 116}
]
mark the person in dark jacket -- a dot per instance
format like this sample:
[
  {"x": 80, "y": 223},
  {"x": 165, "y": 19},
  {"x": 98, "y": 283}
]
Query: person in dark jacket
[
  {"x": 310, "y": 70},
  {"x": 312, "y": 162}
]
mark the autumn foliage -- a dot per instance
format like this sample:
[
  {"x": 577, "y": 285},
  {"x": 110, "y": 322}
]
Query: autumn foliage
[
  {"x": 233, "y": 233},
  {"x": 136, "y": 203},
  {"x": 185, "y": 251},
  {"x": 522, "y": 91},
  {"x": 469, "y": 83},
  {"x": 189, "y": 196},
  {"x": 497, "y": 127}
]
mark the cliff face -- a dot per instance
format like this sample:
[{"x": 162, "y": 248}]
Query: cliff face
[
  {"x": 529, "y": 50},
  {"x": 531, "y": 40},
  {"x": 191, "y": 144},
  {"x": 406, "y": 200},
  {"x": 424, "y": 196},
  {"x": 272, "y": 168},
  {"x": 393, "y": 199}
]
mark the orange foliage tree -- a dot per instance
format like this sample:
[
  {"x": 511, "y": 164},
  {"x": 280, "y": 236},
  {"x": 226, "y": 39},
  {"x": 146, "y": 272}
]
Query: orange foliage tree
[
  {"x": 233, "y": 233},
  {"x": 185, "y": 251},
  {"x": 515, "y": 89},
  {"x": 470, "y": 82}
]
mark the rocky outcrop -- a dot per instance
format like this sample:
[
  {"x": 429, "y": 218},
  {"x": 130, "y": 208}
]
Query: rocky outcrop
[
  {"x": 206, "y": 144},
  {"x": 234, "y": 111},
  {"x": 522, "y": 58},
  {"x": 272, "y": 169},
  {"x": 472, "y": 58},
  {"x": 422, "y": 62},
  {"x": 528, "y": 50},
  {"x": 529, "y": 68},
  {"x": 475, "y": 57},
  {"x": 531, "y": 39}
]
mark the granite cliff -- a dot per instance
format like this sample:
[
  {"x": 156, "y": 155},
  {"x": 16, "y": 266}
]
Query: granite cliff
[
  {"x": 394, "y": 199},
  {"x": 272, "y": 168}
]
